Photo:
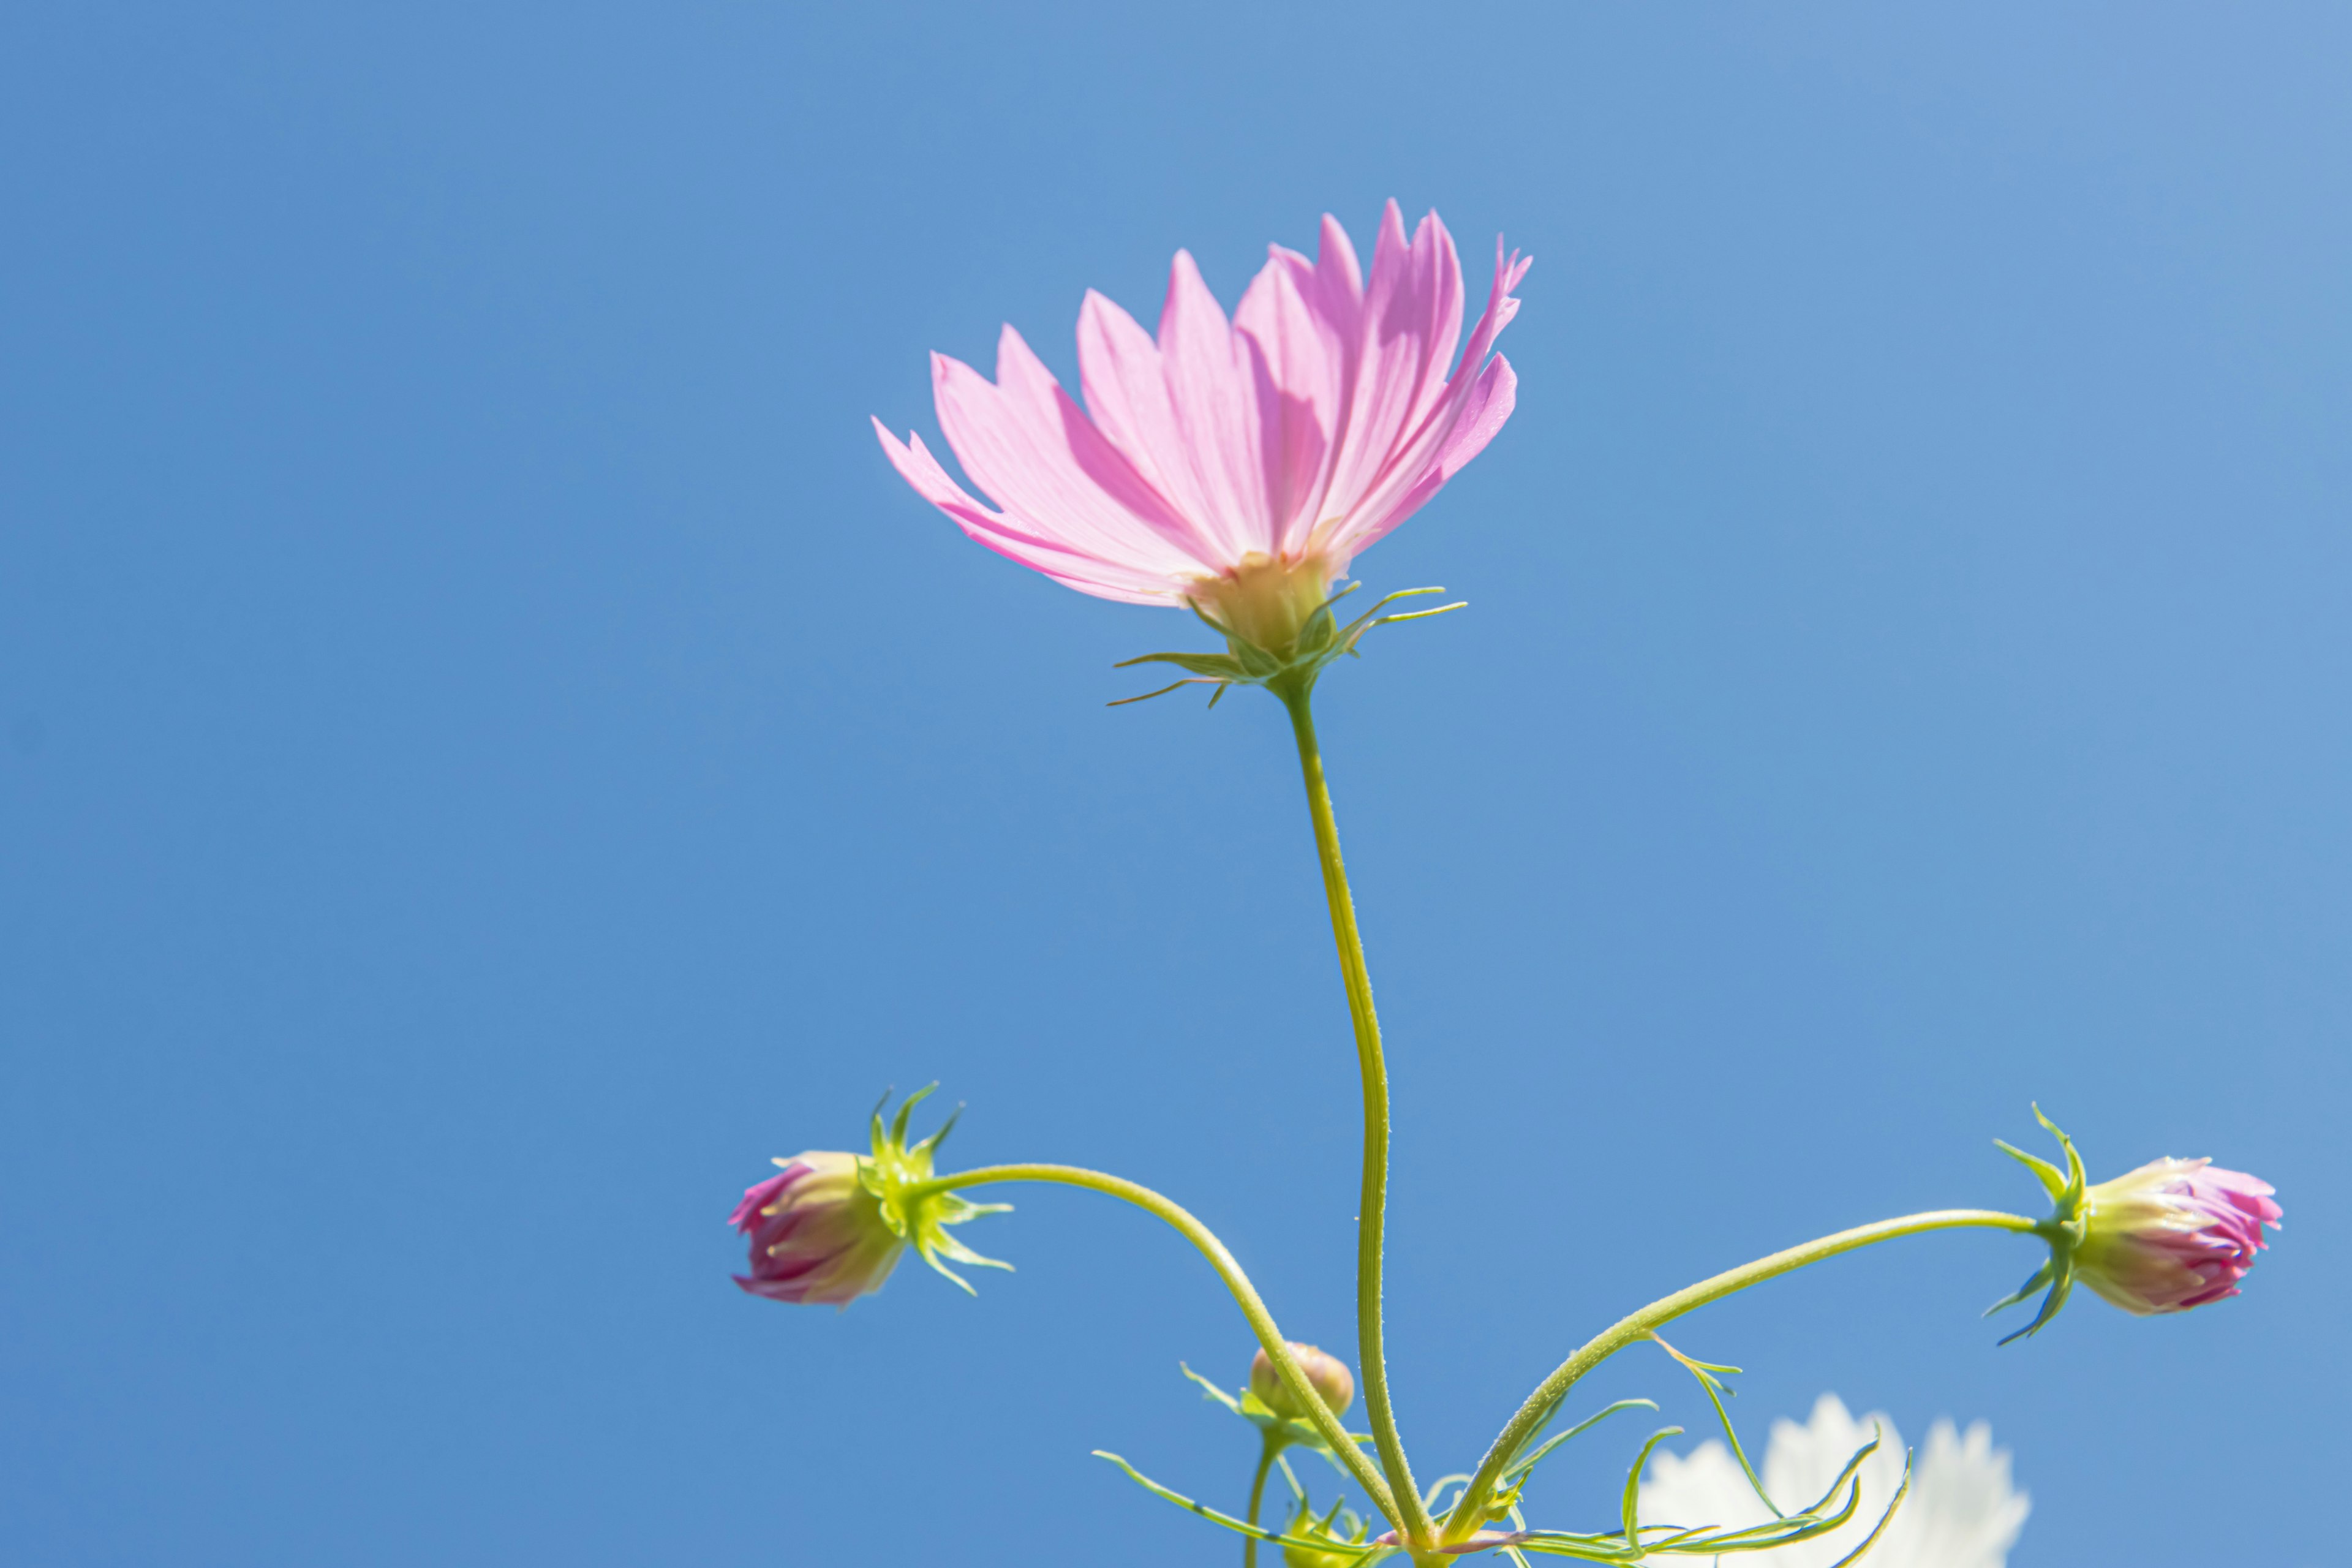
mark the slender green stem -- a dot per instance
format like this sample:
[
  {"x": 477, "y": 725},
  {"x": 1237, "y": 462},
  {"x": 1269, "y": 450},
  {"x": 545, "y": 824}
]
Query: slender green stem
[
  {"x": 1261, "y": 1321},
  {"x": 1267, "y": 1448},
  {"x": 1373, "y": 1207},
  {"x": 1640, "y": 1325}
]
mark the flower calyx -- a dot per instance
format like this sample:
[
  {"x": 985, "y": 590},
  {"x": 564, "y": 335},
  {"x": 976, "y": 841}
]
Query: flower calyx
[
  {"x": 2064, "y": 1231},
  {"x": 1339, "y": 1527},
  {"x": 916, "y": 1210},
  {"x": 1279, "y": 629}
]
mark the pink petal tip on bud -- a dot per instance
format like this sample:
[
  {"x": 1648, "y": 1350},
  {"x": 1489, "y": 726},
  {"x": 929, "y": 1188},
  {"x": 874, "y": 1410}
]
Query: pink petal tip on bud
[
  {"x": 2173, "y": 1235},
  {"x": 817, "y": 1235}
]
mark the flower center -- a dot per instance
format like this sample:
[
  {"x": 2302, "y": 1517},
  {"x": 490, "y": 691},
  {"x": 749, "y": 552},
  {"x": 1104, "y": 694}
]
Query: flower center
[{"x": 1265, "y": 600}]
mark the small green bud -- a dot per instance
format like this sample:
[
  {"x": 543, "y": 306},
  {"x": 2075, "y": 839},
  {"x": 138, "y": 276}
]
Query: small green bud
[
  {"x": 1326, "y": 1375},
  {"x": 1340, "y": 1526}
]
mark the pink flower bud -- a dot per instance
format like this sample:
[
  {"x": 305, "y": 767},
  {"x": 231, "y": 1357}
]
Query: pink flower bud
[
  {"x": 817, "y": 1234},
  {"x": 2173, "y": 1235},
  {"x": 1326, "y": 1375}
]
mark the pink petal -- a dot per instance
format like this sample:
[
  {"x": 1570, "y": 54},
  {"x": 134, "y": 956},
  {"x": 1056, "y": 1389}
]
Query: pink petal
[
  {"x": 1412, "y": 307},
  {"x": 1318, "y": 418},
  {"x": 1297, "y": 360},
  {"x": 1473, "y": 404},
  {"x": 1490, "y": 401},
  {"x": 1009, "y": 538},
  {"x": 1126, "y": 388},
  {"x": 1214, "y": 398},
  {"x": 1016, "y": 440}
]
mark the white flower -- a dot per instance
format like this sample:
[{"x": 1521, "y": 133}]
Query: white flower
[{"x": 1962, "y": 1512}]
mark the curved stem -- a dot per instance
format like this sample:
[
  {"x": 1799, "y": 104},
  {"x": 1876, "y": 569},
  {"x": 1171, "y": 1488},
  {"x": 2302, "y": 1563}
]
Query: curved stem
[
  {"x": 1666, "y": 1309},
  {"x": 1267, "y": 1448},
  {"x": 1372, "y": 1207},
  {"x": 1261, "y": 1321}
]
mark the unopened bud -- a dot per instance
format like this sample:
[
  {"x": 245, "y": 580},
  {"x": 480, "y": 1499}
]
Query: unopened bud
[
  {"x": 2173, "y": 1235},
  {"x": 1327, "y": 1376}
]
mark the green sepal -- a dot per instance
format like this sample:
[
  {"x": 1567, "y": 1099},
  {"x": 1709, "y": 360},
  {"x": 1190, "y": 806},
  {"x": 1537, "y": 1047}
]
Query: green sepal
[
  {"x": 2071, "y": 1199},
  {"x": 2062, "y": 1231},
  {"x": 2061, "y": 1281},
  {"x": 1218, "y": 663},
  {"x": 1321, "y": 641},
  {"x": 2053, "y": 1179},
  {"x": 898, "y": 1174}
]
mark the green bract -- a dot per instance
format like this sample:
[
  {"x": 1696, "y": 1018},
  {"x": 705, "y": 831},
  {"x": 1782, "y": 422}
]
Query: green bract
[
  {"x": 1293, "y": 664},
  {"x": 900, "y": 1176},
  {"x": 2064, "y": 1230},
  {"x": 1338, "y": 1527}
]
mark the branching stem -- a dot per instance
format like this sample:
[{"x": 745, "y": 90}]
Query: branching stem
[
  {"x": 1626, "y": 1331},
  {"x": 1253, "y": 1306}
]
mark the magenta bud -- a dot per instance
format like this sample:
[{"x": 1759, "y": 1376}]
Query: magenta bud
[
  {"x": 2173, "y": 1235},
  {"x": 1326, "y": 1375},
  {"x": 817, "y": 1234}
]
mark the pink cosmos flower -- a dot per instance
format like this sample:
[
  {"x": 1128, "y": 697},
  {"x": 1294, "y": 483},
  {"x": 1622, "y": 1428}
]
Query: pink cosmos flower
[
  {"x": 1238, "y": 465},
  {"x": 817, "y": 1235},
  {"x": 2173, "y": 1235}
]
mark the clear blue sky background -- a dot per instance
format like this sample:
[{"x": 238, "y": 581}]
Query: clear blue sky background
[{"x": 489, "y": 753}]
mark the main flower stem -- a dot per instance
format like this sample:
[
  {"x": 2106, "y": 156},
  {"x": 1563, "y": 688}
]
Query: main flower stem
[
  {"x": 1253, "y": 1308},
  {"x": 1467, "y": 1513},
  {"x": 1372, "y": 1206},
  {"x": 1267, "y": 1448}
]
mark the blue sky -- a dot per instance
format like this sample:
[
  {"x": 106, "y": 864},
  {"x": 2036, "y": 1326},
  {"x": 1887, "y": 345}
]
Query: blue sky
[{"x": 489, "y": 753}]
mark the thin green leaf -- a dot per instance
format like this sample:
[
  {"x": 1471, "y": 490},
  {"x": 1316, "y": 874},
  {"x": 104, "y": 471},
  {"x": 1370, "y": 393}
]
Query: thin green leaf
[
  {"x": 1634, "y": 1483},
  {"x": 1879, "y": 1529},
  {"x": 1439, "y": 1485},
  {"x": 1585, "y": 1549},
  {"x": 1521, "y": 1466},
  {"x": 1239, "y": 1526},
  {"x": 1297, "y": 1493},
  {"x": 1853, "y": 1465},
  {"x": 1219, "y": 1395},
  {"x": 1704, "y": 1371}
]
